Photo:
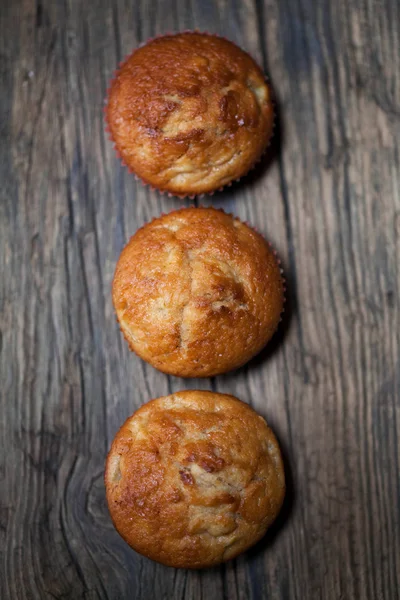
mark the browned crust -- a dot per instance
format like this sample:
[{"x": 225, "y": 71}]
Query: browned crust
[
  {"x": 197, "y": 292},
  {"x": 194, "y": 479},
  {"x": 189, "y": 112}
]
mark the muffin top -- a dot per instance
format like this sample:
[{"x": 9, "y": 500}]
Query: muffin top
[
  {"x": 197, "y": 292},
  {"x": 189, "y": 112},
  {"x": 194, "y": 478}
]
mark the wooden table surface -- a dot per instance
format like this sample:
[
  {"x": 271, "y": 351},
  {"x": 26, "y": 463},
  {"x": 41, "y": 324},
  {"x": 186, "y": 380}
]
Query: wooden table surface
[{"x": 327, "y": 196}]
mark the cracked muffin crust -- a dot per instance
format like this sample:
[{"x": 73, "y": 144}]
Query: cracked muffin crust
[
  {"x": 189, "y": 112},
  {"x": 197, "y": 292},
  {"x": 194, "y": 479}
]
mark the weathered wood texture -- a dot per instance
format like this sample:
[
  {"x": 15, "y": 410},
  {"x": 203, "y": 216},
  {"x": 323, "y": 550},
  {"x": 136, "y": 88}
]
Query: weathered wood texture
[{"x": 327, "y": 197}]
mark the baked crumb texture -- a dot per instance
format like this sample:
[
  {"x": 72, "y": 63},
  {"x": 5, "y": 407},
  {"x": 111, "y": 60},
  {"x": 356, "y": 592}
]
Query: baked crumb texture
[
  {"x": 189, "y": 113},
  {"x": 197, "y": 292},
  {"x": 194, "y": 479}
]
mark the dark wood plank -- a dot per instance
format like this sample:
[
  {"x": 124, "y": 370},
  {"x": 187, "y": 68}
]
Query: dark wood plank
[{"x": 326, "y": 196}]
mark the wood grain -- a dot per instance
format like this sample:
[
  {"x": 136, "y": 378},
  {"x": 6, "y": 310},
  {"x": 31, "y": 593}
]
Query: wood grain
[{"x": 327, "y": 196}]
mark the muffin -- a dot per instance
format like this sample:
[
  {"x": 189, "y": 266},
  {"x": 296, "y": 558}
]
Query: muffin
[
  {"x": 189, "y": 112},
  {"x": 197, "y": 292},
  {"x": 194, "y": 479}
]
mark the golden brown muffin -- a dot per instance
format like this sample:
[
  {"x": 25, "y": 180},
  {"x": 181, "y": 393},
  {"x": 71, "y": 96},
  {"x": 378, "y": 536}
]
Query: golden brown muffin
[
  {"x": 194, "y": 479},
  {"x": 189, "y": 112},
  {"x": 197, "y": 292}
]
